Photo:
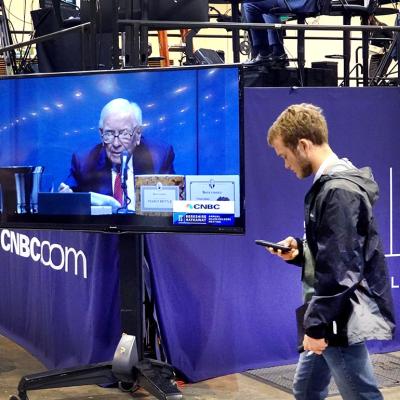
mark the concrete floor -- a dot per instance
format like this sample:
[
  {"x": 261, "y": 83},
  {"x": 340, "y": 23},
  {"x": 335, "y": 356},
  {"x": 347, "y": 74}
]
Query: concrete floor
[{"x": 16, "y": 362}]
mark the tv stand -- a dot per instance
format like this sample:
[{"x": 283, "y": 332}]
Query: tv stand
[
  {"x": 129, "y": 367},
  {"x": 154, "y": 376}
]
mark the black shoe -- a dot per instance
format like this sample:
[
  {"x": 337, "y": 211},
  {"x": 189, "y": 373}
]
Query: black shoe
[
  {"x": 259, "y": 60},
  {"x": 278, "y": 61}
]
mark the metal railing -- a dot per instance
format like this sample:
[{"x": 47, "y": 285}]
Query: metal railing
[{"x": 139, "y": 33}]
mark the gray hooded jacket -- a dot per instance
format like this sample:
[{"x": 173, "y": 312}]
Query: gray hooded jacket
[{"x": 345, "y": 277}]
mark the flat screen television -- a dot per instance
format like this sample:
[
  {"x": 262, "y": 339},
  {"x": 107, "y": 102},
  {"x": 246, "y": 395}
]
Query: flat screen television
[{"x": 144, "y": 150}]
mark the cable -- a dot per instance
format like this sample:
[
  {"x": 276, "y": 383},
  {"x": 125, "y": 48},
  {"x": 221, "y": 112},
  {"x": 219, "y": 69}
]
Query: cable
[
  {"x": 290, "y": 56},
  {"x": 99, "y": 29},
  {"x": 23, "y": 62},
  {"x": 23, "y": 24},
  {"x": 12, "y": 30},
  {"x": 8, "y": 9}
]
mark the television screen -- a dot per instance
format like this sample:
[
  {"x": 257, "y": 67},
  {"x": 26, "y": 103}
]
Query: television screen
[{"x": 152, "y": 150}]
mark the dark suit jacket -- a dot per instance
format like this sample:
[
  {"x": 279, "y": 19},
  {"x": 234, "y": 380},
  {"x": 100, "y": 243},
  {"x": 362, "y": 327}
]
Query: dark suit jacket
[{"x": 91, "y": 171}]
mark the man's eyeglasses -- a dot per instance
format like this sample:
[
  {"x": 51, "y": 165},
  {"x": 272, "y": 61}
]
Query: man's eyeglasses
[{"x": 124, "y": 134}]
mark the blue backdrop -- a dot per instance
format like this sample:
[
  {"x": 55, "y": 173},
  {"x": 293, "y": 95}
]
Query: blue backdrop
[
  {"x": 224, "y": 304},
  {"x": 43, "y": 120},
  {"x": 59, "y": 295},
  {"x": 227, "y": 305}
]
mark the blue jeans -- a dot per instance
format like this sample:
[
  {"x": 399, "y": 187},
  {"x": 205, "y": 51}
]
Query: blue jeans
[
  {"x": 253, "y": 13},
  {"x": 258, "y": 11},
  {"x": 350, "y": 367}
]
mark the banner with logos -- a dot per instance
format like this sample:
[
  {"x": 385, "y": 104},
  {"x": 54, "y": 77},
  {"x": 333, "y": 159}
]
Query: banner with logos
[{"x": 59, "y": 295}]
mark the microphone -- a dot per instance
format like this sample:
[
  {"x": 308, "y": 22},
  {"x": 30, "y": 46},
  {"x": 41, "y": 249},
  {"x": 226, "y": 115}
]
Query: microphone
[{"x": 125, "y": 156}]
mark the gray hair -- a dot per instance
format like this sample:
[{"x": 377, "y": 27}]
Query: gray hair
[{"x": 118, "y": 106}]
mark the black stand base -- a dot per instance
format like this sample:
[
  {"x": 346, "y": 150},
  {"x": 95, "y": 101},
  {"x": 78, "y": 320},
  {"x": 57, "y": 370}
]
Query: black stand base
[
  {"x": 154, "y": 376},
  {"x": 158, "y": 379}
]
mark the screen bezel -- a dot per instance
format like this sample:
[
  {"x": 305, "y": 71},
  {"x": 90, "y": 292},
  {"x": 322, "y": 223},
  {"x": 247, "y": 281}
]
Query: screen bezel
[{"x": 141, "y": 223}]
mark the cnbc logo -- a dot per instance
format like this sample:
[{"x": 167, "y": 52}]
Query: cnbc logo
[{"x": 204, "y": 207}]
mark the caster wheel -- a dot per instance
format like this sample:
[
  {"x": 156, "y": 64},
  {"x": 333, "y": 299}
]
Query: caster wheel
[
  {"x": 16, "y": 397},
  {"x": 245, "y": 48}
]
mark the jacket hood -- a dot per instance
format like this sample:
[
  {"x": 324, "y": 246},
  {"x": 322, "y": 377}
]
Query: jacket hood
[{"x": 362, "y": 177}]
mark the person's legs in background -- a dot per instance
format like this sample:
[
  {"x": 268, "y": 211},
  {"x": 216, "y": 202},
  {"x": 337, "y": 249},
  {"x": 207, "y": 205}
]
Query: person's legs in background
[
  {"x": 259, "y": 37},
  {"x": 267, "y": 44},
  {"x": 275, "y": 38}
]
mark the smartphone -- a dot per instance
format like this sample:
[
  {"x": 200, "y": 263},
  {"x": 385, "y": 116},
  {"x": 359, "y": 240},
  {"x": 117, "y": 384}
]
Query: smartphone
[{"x": 275, "y": 246}]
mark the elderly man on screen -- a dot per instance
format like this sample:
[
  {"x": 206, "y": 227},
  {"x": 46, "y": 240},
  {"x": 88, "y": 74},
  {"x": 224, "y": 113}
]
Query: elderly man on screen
[{"x": 98, "y": 170}]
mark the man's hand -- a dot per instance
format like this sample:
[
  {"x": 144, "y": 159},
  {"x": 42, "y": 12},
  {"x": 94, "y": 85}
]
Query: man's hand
[
  {"x": 64, "y": 188},
  {"x": 288, "y": 242},
  {"x": 317, "y": 346}
]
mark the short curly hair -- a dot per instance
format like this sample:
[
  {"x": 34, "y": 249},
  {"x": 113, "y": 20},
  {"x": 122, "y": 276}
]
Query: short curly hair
[{"x": 299, "y": 121}]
